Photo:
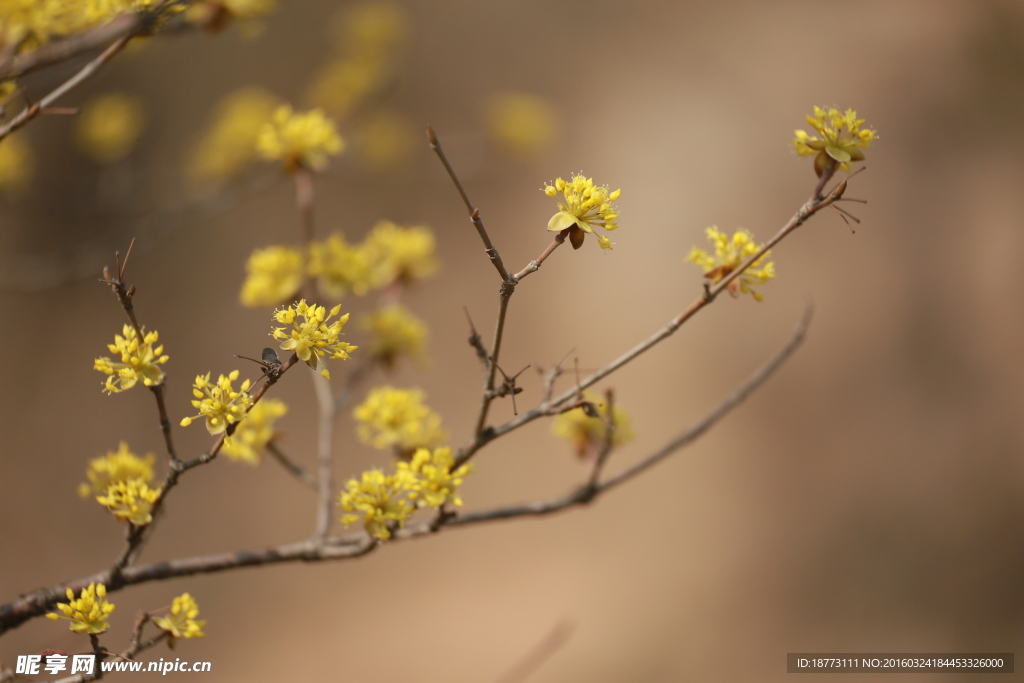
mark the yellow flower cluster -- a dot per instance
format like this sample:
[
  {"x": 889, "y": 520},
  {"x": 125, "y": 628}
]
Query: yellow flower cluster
[
  {"x": 299, "y": 139},
  {"x": 109, "y": 126},
  {"x": 396, "y": 332},
  {"x": 369, "y": 36},
  {"x": 140, "y": 360},
  {"x": 116, "y": 466},
  {"x": 130, "y": 501},
  {"x": 587, "y": 206},
  {"x": 312, "y": 338},
  {"x": 386, "y": 501},
  {"x": 389, "y": 255},
  {"x": 435, "y": 484},
  {"x": 589, "y": 434},
  {"x": 229, "y": 143},
  {"x": 397, "y": 419},
  {"x": 340, "y": 267},
  {"x": 521, "y": 124},
  {"x": 841, "y": 141},
  {"x": 181, "y": 622},
  {"x": 88, "y": 614},
  {"x": 255, "y": 431},
  {"x": 27, "y": 24},
  {"x": 398, "y": 254},
  {"x": 219, "y": 402},
  {"x": 273, "y": 275},
  {"x": 16, "y": 164},
  {"x": 729, "y": 254}
]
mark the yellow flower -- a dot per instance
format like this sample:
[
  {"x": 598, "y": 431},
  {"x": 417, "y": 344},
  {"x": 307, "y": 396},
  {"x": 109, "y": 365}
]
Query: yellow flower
[
  {"x": 398, "y": 419},
  {"x": 340, "y": 267},
  {"x": 16, "y": 163},
  {"x": 88, "y": 614},
  {"x": 115, "y": 466},
  {"x": 313, "y": 339},
  {"x": 181, "y": 622},
  {"x": 219, "y": 403},
  {"x": 841, "y": 139},
  {"x": 385, "y": 140},
  {"x": 587, "y": 206},
  {"x": 109, "y": 126},
  {"x": 400, "y": 254},
  {"x": 729, "y": 254},
  {"x": 299, "y": 139},
  {"x": 524, "y": 125},
  {"x": 273, "y": 275},
  {"x": 396, "y": 332},
  {"x": 372, "y": 27},
  {"x": 588, "y": 434},
  {"x": 130, "y": 501},
  {"x": 343, "y": 84},
  {"x": 254, "y": 432},
  {"x": 229, "y": 143},
  {"x": 435, "y": 483},
  {"x": 139, "y": 361},
  {"x": 381, "y": 499}
]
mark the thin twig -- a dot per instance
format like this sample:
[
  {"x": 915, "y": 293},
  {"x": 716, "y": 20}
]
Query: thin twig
[
  {"x": 295, "y": 470},
  {"x": 710, "y": 293},
  {"x": 33, "y": 110},
  {"x": 474, "y": 213},
  {"x": 539, "y": 653}
]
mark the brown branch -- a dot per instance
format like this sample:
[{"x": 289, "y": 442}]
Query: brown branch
[
  {"x": 33, "y": 110},
  {"x": 38, "y": 602},
  {"x": 539, "y": 653},
  {"x": 710, "y": 293},
  {"x": 295, "y": 470},
  {"x": 474, "y": 213}
]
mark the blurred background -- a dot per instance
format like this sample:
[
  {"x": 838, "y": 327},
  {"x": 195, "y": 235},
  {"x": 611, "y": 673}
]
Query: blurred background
[{"x": 868, "y": 498}]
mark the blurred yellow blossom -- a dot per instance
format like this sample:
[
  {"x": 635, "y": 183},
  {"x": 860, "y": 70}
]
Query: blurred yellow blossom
[
  {"x": 381, "y": 499},
  {"x": 140, "y": 360},
  {"x": 589, "y": 434},
  {"x": 130, "y": 501},
  {"x": 299, "y": 139},
  {"x": 344, "y": 84},
  {"x": 340, "y": 267},
  {"x": 729, "y": 254},
  {"x": 436, "y": 484},
  {"x": 229, "y": 143},
  {"x": 87, "y": 614},
  {"x": 254, "y": 432},
  {"x": 313, "y": 339},
  {"x": 27, "y": 24},
  {"x": 398, "y": 419},
  {"x": 372, "y": 27},
  {"x": 587, "y": 206},
  {"x": 108, "y": 127},
  {"x": 400, "y": 254},
  {"x": 523, "y": 125},
  {"x": 181, "y": 622},
  {"x": 395, "y": 332},
  {"x": 273, "y": 276},
  {"x": 385, "y": 140},
  {"x": 16, "y": 163},
  {"x": 841, "y": 139},
  {"x": 115, "y": 466},
  {"x": 219, "y": 402}
]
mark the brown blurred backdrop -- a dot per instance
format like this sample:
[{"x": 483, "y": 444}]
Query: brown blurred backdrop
[{"x": 868, "y": 498}]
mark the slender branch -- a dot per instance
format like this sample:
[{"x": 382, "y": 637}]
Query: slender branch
[
  {"x": 499, "y": 331},
  {"x": 474, "y": 213},
  {"x": 539, "y": 653},
  {"x": 33, "y": 110},
  {"x": 534, "y": 265},
  {"x": 295, "y": 470},
  {"x": 711, "y": 292},
  {"x": 38, "y": 602},
  {"x": 325, "y": 454}
]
